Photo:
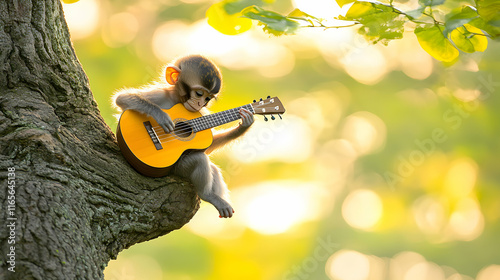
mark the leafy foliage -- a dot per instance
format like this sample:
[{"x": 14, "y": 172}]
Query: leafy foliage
[
  {"x": 380, "y": 22},
  {"x": 225, "y": 17},
  {"x": 432, "y": 40},
  {"x": 273, "y": 23},
  {"x": 441, "y": 27}
]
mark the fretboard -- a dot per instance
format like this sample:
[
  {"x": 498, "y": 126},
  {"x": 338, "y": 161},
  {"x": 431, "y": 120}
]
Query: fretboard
[{"x": 220, "y": 118}]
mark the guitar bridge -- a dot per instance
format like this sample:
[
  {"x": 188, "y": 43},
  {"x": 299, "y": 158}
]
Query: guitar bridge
[{"x": 152, "y": 134}]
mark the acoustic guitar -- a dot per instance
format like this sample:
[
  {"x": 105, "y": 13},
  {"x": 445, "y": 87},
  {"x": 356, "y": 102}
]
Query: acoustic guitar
[{"x": 152, "y": 152}]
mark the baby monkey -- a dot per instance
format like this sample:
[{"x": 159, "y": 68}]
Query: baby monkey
[{"x": 194, "y": 81}]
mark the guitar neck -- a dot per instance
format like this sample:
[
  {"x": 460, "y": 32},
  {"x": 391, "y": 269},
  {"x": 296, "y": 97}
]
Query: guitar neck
[{"x": 217, "y": 119}]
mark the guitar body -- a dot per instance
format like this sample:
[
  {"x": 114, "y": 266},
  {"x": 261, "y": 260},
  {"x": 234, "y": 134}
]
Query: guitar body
[{"x": 155, "y": 159}]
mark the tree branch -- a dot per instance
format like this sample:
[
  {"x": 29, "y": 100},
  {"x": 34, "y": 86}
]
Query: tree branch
[{"x": 77, "y": 202}]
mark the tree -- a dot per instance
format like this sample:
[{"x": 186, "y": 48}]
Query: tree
[
  {"x": 441, "y": 27},
  {"x": 70, "y": 202}
]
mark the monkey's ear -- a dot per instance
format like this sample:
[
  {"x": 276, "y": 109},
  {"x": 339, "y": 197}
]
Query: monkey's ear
[{"x": 172, "y": 74}]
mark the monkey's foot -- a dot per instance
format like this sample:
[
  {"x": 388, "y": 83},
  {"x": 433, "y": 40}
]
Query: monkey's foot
[{"x": 225, "y": 210}]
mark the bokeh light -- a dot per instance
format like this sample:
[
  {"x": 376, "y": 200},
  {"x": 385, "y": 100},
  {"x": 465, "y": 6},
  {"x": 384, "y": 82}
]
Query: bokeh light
[
  {"x": 355, "y": 112},
  {"x": 276, "y": 141},
  {"x": 430, "y": 214},
  {"x": 424, "y": 270},
  {"x": 82, "y": 18},
  {"x": 461, "y": 178},
  {"x": 466, "y": 221},
  {"x": 120, "y": 29},
  {"x": 134, "y": 267},
  {"x": 367, "y": 65},
  {"x": 275, "y": 207},
  {"x": 348, "y": 265},
  {"x": 491, "y": 272},
  {"x": 365, "y": 131},
  {"x": 362, "y": 209}
]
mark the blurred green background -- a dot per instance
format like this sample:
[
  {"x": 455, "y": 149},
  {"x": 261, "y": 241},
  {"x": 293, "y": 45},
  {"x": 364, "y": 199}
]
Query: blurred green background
[{"x": 385, "y": 165}]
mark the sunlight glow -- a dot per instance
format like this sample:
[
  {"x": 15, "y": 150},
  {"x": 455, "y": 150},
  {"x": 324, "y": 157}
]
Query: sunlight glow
[
  {"x": 176, "y": 38},
  {"x": 413, "y": 60},
  {"x": 362, "y": 209},
  {"x": 207, "y": 223},
  {"x": 429, "y": 214},
  {"x": 286, "y": 140},
  {"x": 424, "y": 270},
  {"x": 348, "y": 265},
  {"x": 367, "y": 65},
  {"x": 491, "y": 272},
  {"x": 402, "y": 262},
  {"x": 134, "y": 267},
  {"x": 121, "y": 29},
  {"x": 467, "y": 95},
  {"x": 275, "y": 207},
  {"x": 365, "y": 131},
  {"x": 82, "y": 18},
  {"x": 319, "y": 8},
  {"x": 461, "y": 178},
  {"x": 467, "y": 221}
]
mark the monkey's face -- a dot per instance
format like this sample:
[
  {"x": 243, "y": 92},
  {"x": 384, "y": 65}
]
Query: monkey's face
[{"x": 199, "y": 97}]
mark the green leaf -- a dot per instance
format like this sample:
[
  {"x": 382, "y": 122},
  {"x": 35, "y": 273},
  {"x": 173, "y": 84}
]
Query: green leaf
[
  {"x": 297, "y": 13},
  {"x": 488, "y": 9},
  {"x": 236, "y": 6},
  {"x": 457, "y": 18},
  {"x": 344, "y": 2},
  {"x": 361, "y": 9},
  {"x": 430, "y": 2},
  {"x": 229, "y": 24},
  {"x": 431, "y": 39},
  {"x": 300, "y": 15},
  {"x": 380, "y": 22},
  {"x": 273, "y": 23},
  {"x": 469, "y": 39},
  {"x": 414, "y": 14},
  {"x": 480, "y": 23}
]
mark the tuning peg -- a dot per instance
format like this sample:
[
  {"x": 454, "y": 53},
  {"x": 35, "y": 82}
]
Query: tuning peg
[
  {"x": 261, "y": 99},
  {"x": 265, "y": 118},
  {"x": 268, "y": 96},
  {"x": 280, "y": 116},
  {"x": 254, "y": 101},
  {"x": 272, "y": 117}
]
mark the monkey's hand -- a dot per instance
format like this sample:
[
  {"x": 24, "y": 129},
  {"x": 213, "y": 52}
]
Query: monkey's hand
[
  {"x": 164, "y": 120},
  {"x": 246, "y": 117}
]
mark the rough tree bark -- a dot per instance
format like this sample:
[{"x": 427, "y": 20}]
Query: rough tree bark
[{"x": 77, "y": 203}]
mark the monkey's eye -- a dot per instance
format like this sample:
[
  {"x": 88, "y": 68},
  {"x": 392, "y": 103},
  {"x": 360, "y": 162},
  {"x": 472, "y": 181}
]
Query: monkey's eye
[{"x": 199, "y": 93}]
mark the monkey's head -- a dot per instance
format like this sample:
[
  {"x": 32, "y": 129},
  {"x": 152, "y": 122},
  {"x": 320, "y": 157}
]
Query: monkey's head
[{"x": 196, "y": 79}]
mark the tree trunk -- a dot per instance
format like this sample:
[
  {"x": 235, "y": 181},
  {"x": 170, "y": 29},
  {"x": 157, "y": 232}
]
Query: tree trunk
[{"x": 69, "y": 201}]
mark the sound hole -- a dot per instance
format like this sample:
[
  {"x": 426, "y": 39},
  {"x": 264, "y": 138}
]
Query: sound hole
[{"x": 183, "y": 130}]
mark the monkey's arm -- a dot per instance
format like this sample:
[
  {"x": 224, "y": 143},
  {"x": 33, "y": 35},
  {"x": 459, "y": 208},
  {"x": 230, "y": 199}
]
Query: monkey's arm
[
  {"x": 147, "y": 103},
  {"x": 224, "y": 137}
]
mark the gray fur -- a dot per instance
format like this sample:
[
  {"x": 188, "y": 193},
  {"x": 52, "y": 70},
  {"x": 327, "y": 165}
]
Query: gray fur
[{"x": 193, "y": 165}]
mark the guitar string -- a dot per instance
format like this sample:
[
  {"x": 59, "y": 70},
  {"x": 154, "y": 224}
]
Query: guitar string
[
  {"x": 164, "y": 137},
  {"x": 169, "y": 137},
  {"x": 211, "y": 120}
]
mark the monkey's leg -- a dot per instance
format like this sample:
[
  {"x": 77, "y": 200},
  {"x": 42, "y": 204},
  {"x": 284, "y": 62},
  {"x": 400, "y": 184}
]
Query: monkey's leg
[{"x": 206, "y": 178}]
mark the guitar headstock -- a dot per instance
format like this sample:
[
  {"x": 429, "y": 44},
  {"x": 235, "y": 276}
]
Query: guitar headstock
[{"x": 269, "y": 106}]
